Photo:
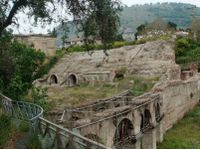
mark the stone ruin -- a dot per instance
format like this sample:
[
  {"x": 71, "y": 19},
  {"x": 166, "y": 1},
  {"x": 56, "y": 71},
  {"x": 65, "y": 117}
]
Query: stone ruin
[{"x": 152, "y": 59}]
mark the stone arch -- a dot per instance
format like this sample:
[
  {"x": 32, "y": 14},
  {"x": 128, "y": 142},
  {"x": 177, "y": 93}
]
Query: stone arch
[
  {"x": 118, "y": 75},
  {"x": 123, "y": 131},
  {"x": 72, "y": 80},
  {"x": 147, "y": 119},
  {"x": 53, "y": 79},
  {"x": 141, "y": 122},
  {"x": 157, "y": 112}
]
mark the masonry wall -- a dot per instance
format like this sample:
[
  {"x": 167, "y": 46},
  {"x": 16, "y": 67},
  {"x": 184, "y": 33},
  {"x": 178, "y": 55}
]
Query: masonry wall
[
  {"x": 44, "y": 43},
  {"x": 179, "y": 97}
]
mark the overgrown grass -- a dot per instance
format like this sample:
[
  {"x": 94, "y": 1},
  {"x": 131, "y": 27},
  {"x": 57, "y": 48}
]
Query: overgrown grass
[
  {"x": 34, "y": 143},
  {"x": 5, "y": 129},
  {"x": 84, "y": 93},
  {"x": 185, "y": 134}
]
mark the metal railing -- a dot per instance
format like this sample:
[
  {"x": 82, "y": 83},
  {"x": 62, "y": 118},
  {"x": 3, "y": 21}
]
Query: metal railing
[{"x": 51, "y": 135}]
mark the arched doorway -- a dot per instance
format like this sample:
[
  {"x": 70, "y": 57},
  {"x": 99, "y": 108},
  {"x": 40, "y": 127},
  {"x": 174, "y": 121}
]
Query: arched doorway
[
  {"x": 142, "y": 123},
  {"x": 147, "y": 119},
  {"x": 72, "y": 80},
  {"x": 53, "y": 79},
  {"x": 124, "y": 133},
  {"x": 157, "y": 112}
]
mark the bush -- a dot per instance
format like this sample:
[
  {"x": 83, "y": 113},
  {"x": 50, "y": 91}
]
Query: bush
[
  {"x": 5, "y": 128},
  {"x": 34, "y": 143},
  {"x": 39, "y": 97},
  {"x": 181, "y": 46},
  {"x": 118, "y": 44},
  {"x": 44, "y": 69}
]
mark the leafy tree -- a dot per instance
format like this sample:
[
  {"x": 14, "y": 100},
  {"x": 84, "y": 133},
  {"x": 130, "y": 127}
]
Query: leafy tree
[
  {"x": 172, "y": 25},
  {"x": 141, "y": 29},
  {"x": 53, "y": 33},
  {"x": 104, "y": 13},
  {"x": 102, "y": 22},
  {"x": 195, "y": 30},
  {"x": 18, "y": 66},
  {"x": 158, "y": 24}
]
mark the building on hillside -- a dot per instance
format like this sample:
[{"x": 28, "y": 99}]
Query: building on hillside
[
  {"x": 128, "y": 34},
  {"x": 79, "y": 41},
  {"x": 45, "y": 43}
]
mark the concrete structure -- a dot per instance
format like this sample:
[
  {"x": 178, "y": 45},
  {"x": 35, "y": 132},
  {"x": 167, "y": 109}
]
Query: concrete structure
[{"x": 45, "y": 43}]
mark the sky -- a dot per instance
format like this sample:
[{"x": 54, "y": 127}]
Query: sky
[
  {"x": 132, "y": 2},
  {"x": 26, "y": 28}
]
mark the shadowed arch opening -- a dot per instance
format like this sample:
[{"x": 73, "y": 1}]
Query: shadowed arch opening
[
  {"x": 147, "y": 119},
  {"x": 123, "y": 133},
  {"x": 157, "y": 112},
  {"x": 72, "y": 80},
  {"x": 53, "y": 79},
  {"x": 142, "y": 123}
]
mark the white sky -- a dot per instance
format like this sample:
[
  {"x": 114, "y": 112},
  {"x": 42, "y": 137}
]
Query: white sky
[{"x": 26, "y": 28}]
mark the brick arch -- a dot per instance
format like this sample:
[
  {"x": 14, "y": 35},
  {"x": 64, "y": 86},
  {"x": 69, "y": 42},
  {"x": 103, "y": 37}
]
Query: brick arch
[
  {"x": 124, "y": 130},
  {"x": 53, "y": 79}
]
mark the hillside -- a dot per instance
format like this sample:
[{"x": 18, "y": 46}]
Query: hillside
[
  {"x": 179, "y": 13},
  {"x": 132, "y": 17}
]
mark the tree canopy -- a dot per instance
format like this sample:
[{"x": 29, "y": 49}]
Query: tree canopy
[{"x": 103, "y": 14}]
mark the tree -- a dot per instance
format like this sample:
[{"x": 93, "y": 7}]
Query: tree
[
  {"x": 158, "y": 24},
  {"x": 103, "y": 22},
  {"x": 104, "y": 12},
  {"x": 172, "y": 25},
  {"x": 18, "y": 66},
  {"x": 195, "y": 30},
  {"x": 141, "y": 29}
]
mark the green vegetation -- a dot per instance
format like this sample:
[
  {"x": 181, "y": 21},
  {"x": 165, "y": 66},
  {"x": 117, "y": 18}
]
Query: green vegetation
[
  {"x": 39, "y": 97},
  {"x": 18, "y": 65},
  {"x": 185, "y": 134},
  {"x": 75, "y": 96},
  {"x": 187, "y": 51},
  {"x": 136, "y": 15},
  {"x": 84, "y": 48},
  {"x": 5, "y": 129},
  {"x": 44, "y": 68},
  {"x": 34, "y": 143},
  {"x": 142, "y": 85}
]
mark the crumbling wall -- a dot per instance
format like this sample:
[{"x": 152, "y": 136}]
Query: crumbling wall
[{"x": 179, "y": 97}]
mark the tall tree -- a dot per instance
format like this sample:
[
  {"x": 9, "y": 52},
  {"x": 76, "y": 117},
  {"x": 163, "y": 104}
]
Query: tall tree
[{"x": 104, "y": 12}]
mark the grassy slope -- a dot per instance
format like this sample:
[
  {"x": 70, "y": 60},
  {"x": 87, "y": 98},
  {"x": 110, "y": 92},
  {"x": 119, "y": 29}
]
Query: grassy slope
[
  {"x": 82, "y": 94},
  {"x": 185, "y": 134}
]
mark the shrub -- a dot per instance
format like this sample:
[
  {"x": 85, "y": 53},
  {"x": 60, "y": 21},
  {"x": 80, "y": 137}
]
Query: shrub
[
  {"x": 39, "y": 97},
  {"x": 181, "y": 46},
  {"x": 118, "y": 44},
  {"x": 5, "y": 128},
  {"x": 34, "y": 143}
]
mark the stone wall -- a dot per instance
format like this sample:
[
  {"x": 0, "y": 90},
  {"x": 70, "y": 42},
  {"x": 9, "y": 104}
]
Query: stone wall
[
  {"x": 40, "y": 42},
  {"x": 179, "y": 97},
  {"x": 151, "y": 59}
]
